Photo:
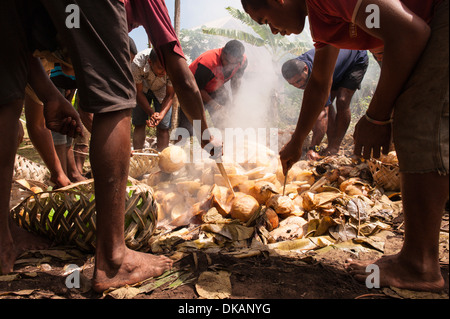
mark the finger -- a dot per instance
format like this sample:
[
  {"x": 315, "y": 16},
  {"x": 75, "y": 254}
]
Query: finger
[
  {"x": 376, "y": 152},
  {"x": 386, "y": 148},
  {"x": 367, "y": 152},
  {"x": 358, "y": 149}
]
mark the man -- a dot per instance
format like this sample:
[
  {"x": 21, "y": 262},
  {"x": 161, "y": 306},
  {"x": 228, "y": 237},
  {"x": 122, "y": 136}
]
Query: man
[
  {"x": 152, "y": 86},
  {"x": 99, "y": 51},
  {"x": 212, "y": 70},
  {"x": 413, "y": 87},
  {"x": 351, "y": 66}
]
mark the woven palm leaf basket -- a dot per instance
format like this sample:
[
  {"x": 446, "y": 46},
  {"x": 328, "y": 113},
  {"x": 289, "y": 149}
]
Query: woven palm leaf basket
[
  {"x": 67, "y": 216},
  {"x": 27, "y": 169},
  {"x": 142, "y": 162},
  {"x": 385, "y": 175}
]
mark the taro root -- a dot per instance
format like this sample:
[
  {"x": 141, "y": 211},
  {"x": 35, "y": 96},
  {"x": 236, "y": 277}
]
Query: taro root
[
  {"x": 169, "y": 202},
  {"x": 235, "y": 179},
  {"x": 188, "y": 187},
  {"x": 282, "y": 205},
  {"x": 243, "y": 207},
  {"x": 262, "y": 191},
  {"x": 244, "y": 187},
  {"x": 272, "y": 219},
  {"x": 172, "y": 159},
  {"x": 203, "y": 192}
]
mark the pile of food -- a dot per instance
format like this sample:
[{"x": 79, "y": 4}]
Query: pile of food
[{"x": 334, "y": 199}]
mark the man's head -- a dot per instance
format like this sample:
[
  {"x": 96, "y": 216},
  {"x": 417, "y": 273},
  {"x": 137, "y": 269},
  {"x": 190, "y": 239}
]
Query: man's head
[
  {"x": 155, "y": 64},
  {"x": 296, "y": 72},
  {"x": 232, "y": 53},
  {"x": 283, "y": 16}
]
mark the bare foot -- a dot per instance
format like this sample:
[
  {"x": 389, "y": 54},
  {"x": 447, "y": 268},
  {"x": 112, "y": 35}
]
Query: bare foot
[
  {"x": 136, "y": 267},
  {"x": 8, "y": 255},
  {"x": 20, "y": 241},
  {"x": 24, "y": 240},
  {"x": 395, "y": 272},
  {"x": 60, "y": 181},
  {"x": 75, "y": 178}
]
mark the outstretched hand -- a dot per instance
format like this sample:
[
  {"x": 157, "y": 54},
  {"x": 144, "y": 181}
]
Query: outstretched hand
[{"x": 61, "y": 117}]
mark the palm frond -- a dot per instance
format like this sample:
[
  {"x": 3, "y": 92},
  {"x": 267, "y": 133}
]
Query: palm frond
[{"x": 235, "y": 34}]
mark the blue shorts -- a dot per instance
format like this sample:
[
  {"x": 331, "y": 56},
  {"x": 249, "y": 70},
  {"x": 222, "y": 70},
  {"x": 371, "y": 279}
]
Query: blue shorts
[
  {"x": 61, "y": 139},
  {"x": 139, "y": 116}
]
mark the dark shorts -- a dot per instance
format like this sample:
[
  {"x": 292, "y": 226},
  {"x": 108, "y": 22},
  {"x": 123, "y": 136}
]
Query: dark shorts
[
  {"x": 98, "y": 49},
  {"x": 139, "y": 116},
  {"x": 353, "y": 77},
  {"x": 421, "y": 112}
]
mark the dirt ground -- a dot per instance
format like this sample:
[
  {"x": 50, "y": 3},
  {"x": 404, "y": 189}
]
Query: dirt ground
[{"x": 41, "y": 275}]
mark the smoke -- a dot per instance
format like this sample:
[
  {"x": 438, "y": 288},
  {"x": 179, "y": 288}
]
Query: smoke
[{"x": 254, "y": 104}]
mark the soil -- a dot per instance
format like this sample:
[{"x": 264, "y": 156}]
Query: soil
[{"x": 313, "y": 276}]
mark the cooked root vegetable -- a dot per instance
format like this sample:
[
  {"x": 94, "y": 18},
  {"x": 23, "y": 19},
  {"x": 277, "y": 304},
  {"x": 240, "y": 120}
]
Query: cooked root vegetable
[{"x": 243, "y": 207}]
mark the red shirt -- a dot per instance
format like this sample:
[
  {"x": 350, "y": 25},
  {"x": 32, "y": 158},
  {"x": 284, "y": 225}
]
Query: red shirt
[
  {"x": 208, "y": 70},
  {"x": 332, "y": 22},
  {"x": 154, "y": 17}
]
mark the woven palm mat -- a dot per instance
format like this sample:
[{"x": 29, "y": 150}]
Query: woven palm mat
[
  {"x": 68, "y": 215},
  {"x": 142, "y": 162}
]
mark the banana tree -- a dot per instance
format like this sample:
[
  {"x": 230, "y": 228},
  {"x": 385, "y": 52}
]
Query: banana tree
[{"x": 277, "y": 45}]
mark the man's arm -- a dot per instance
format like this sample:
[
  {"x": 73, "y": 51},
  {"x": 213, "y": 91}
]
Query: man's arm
[
  {"x": 142, "y": 101},
  {"x": 60, "y": 115},
  {"x": 187, "y": 90},
  {"x": 405, "y": 36},
  {"x": 314, "y": 98},
  {"x": 168, "y": 99}
]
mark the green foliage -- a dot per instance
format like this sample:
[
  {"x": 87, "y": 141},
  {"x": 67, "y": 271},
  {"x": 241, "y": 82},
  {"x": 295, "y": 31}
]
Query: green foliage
[
  {"x": 277, "y": 45},
  {"x": 195, "y": 42}
]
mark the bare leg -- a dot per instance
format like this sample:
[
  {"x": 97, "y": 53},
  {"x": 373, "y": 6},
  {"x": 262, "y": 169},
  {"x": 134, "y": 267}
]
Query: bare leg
[
  {"x": 342, "y": 121},
  {"x": 416, "y": 267},
  {"x": 41, "y": 138},
  {"x": 319, "y": 130},
  {"x": 116, "y": 265},
  {"x": 13, "y": 240},
  {"x": 139, "y": 137},
  {"x": 72, "y": 169},
  {"x": 162, "y": 140}
]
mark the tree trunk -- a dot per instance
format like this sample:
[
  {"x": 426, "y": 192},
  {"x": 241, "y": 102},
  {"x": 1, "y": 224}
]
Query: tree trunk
[{"x": 176, "y": 104}]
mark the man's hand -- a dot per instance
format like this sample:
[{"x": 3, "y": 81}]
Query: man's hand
[
  {"x": 61, "y": 117},
  {"x": 155, "y": 119},
  {"x": 313, "y": 156},
  {"x": 371, "y": 139},
  {"x": 290, "y": 154},
  {"x": 214, "y": 147}
]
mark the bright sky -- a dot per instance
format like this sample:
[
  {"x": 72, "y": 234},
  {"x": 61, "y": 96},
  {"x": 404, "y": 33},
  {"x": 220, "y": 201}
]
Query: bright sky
[{"x": 193, "y": 13}]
